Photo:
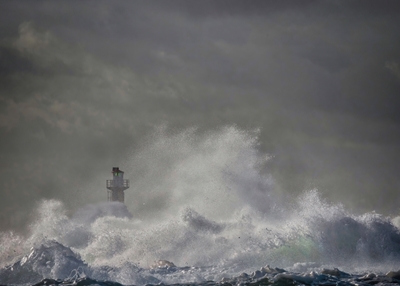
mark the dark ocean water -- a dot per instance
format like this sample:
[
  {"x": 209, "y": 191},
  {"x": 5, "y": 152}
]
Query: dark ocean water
[{"x": 203, "y": 215}]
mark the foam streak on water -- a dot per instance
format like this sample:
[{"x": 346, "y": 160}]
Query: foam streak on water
[{"x": 203, "y": 208}]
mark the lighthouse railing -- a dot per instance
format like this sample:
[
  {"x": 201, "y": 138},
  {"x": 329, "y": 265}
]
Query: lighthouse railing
[{"x": 113, "y": 184}]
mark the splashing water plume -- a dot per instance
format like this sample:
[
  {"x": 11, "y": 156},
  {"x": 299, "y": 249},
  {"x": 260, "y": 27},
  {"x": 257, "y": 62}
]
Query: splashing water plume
[{"x": 200, "y": 201}]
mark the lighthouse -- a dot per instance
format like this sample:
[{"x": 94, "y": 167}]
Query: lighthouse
[{"x": 117, "y": 186}]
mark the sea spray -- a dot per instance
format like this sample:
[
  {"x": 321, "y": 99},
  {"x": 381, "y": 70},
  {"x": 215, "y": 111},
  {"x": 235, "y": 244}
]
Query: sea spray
[
  {"x": 214, "y": 173},
  {"x": 202, "y": 202}
]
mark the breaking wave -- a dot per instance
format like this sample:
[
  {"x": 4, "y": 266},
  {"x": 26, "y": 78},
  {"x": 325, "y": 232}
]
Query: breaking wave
[{"x": 202, "y": 211}]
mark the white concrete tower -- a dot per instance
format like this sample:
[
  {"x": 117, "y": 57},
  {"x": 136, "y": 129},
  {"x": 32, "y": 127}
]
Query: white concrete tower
[{"x": 117, "y": 186}]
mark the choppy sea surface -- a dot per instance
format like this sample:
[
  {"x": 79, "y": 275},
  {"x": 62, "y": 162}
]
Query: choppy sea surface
[{"x": 219, "y": 222}]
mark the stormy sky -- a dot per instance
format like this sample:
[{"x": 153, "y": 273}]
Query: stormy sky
[{"x": 84, "y": 84}]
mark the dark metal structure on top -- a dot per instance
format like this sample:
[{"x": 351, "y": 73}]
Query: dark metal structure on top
[{"x": 117, "y": 186}]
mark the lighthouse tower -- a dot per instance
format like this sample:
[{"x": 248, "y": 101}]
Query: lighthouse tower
[{"x": 117, "y": 186}]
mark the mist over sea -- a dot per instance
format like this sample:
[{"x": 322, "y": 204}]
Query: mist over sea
[
  {"x": 261, "y": 140},
  {"x": 218, "y": 219}
]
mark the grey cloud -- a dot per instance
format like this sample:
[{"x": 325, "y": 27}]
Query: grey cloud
[
  {"x": 211, "y": 8},
  {"x": 394, "y": 68},
  {"x": 82, "y": 84}
]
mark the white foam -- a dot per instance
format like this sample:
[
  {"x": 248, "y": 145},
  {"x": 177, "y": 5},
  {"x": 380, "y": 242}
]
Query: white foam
[{"x": 199, "y": 200}]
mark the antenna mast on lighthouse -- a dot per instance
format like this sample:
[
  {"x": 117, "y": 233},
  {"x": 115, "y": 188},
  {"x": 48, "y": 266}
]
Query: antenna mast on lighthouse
[{"x": 117, "y": 186}]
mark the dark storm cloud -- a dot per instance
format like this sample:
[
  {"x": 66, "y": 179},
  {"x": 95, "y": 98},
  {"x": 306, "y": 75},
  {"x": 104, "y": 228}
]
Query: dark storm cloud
[
  {"x": 211, "y": 8},
  {"x": 82, "y": 83}
]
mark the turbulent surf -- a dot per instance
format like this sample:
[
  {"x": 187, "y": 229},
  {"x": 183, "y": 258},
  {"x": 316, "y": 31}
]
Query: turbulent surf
[{"x": 203, "y": 214}]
